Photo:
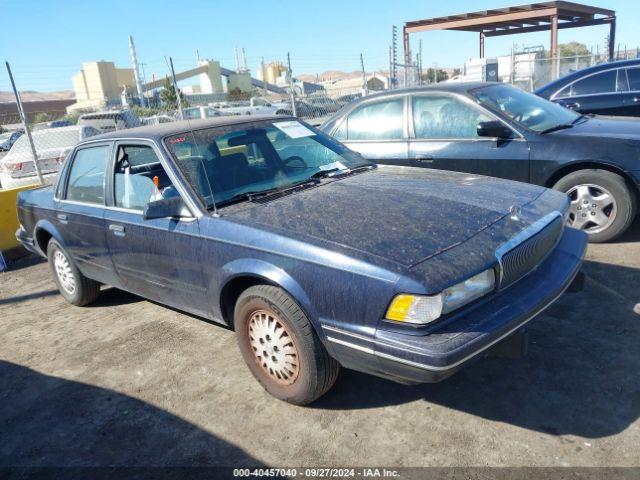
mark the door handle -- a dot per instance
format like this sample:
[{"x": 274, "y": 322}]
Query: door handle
[
  {"x": 572, "y": 105},
  {"x": 636, "y": 99},
  {"x": 118, "y": 230},
  {"x": 424, "y": 159},
  {"x": 63, "y": 218}
]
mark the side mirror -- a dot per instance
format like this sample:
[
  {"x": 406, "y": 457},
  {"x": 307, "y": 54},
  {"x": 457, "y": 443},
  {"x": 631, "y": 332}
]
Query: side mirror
[
  {"x": 494, "y": 129},
  {"x": 172, "y": 207}
]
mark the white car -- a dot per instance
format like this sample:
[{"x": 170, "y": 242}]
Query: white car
[
  {"x": 192, "y": 113},
  {"x": 52, "y": 145}
]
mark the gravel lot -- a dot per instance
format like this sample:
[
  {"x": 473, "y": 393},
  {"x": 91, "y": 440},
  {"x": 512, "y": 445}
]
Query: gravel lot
[{"x": 129, "y": 382}]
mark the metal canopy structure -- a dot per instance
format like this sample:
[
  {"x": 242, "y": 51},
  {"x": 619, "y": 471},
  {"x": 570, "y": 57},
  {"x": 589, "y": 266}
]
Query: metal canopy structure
[{"x": 534, "y": 17}]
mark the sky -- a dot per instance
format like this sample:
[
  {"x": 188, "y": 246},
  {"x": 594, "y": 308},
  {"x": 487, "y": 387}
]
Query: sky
[{"x": 46, "y": 41}]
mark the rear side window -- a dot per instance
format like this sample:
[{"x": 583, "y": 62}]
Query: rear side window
[
  {"x": 633, "y": 74},
  {"x": 604, "y": 82},
  {"x": 86, "y": 177},
  {"x": 377, "y": 121}
]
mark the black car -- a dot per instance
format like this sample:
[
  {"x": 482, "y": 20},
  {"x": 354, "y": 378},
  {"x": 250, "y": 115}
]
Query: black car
[
  {"x": 499, "y": 130},
  {"x": 605, "y": 89}
]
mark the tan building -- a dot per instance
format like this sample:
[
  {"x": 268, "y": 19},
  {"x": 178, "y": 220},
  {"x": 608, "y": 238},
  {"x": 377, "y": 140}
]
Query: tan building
[
  {"x": 99, "y": 84},
  {"x": 272, "y": 71}
]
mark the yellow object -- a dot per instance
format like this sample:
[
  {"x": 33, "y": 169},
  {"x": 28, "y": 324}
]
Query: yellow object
[
  {"x": 399, "y": 308},
  {"x": 9, "y": 217}
]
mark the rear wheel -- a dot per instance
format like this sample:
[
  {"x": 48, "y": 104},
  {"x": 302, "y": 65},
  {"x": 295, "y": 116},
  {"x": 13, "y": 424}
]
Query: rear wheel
[
  {"x": 74, "y": 287},
  {"x": 601, "y": 203},
  {"x": 280, "y": 346}
]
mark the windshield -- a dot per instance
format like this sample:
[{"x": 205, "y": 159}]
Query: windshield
[
  {"x": 222, "y": 163},
  {"x": 526, "y": 109}
]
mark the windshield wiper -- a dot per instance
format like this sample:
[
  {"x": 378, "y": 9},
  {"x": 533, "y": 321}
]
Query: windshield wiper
[
  {"x": 555, "y": 128},
  {"x": 256, "y": 194},
  {"x": 334, "y": 172}
]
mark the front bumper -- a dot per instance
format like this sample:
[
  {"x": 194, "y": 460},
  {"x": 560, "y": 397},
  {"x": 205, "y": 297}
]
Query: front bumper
[{"x": 469, "y": 334}]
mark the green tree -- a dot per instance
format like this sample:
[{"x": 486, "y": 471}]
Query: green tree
[
  {"x": 235, "y": 94},
  {"x": 433, "y": 75},
  {"x": 572, "y": 49},
  {"x": 168, "y": 95},
  {"x": 41, "y": 117}
]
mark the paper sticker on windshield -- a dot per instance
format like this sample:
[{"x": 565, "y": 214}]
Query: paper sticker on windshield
[{"x": 293, "y": 129}]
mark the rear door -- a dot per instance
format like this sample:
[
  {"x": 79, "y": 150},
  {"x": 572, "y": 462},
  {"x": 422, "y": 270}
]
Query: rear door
[
  {"x": 601, "y": 93},
  {"x": 157, "y": 258},
  {"x": 377, "y": 130},
  {"x": 443, "y": 135},
  {"x": 632, "y": 96},
  {"x": 80, "y": 212}
]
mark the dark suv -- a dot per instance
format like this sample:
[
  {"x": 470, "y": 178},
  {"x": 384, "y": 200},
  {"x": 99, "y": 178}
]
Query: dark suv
[{"x": 606, "y": 89}]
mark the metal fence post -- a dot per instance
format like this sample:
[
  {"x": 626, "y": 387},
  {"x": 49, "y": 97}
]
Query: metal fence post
[
  {"x": 365, "y": 90},
  {"x": 175, "y": 89},
  {"x": 293, "y": 96},
  {"x": 27, "y": 131}
]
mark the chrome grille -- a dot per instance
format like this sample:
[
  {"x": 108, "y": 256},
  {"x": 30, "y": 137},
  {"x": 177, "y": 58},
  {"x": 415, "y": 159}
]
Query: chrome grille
[{"x": 516, "y": 262}]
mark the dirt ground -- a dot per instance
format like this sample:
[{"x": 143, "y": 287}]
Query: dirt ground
[{"x": 129, "y": 382}]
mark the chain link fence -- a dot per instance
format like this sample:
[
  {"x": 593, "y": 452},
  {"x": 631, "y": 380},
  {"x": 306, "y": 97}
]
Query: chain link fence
[{"x": 102, "y": 98}]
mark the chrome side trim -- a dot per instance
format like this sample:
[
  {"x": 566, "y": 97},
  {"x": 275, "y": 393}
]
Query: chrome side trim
[
  {"x": 352, "y": 345},
  {"x": 433, "y": 368}
]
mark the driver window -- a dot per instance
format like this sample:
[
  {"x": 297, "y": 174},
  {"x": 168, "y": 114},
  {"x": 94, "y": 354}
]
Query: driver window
[
  {"x": 443, "y": 116},
  {"x": 140, "y": 178}
]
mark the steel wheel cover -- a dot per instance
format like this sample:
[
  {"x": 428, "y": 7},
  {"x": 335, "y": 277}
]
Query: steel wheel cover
[
  {"x": 593, "y": 208},
  {"x": 273, "y": 347},
  {"x": 64, "y": 273}
]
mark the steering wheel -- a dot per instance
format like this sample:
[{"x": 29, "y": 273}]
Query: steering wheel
[{"x": 295, "y": 158}]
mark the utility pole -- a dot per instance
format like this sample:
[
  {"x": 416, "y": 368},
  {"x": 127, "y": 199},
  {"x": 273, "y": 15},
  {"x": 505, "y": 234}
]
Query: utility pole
[
  {"x": 244, "y": 61},
  {"x": 23, "y": 117},
  {"x": 235, "y": 57},
  {"x": 420, "y": 61},
  {"x": 394, "y": 54},
  {"x": 365, "y": 90},
  {"x": 390, "y": 81},
  {"x": 136, "y": 72},
  {"x": 175, "y": 89},
  {"x": 264, "y": 76},
  {"x": 293, "y": 97}
]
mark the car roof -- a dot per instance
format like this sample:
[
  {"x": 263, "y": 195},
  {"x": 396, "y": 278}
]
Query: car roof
[
  {"x": 551, "y": 87},
  {"x": 454, "y": 87},
  {"x": 158, "y": 132}
]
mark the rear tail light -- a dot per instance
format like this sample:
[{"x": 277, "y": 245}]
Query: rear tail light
[{"x": 13, "y": 167}]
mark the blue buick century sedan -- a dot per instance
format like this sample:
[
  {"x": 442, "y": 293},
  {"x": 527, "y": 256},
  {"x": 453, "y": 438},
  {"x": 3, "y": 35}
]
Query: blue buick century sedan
[{"x": 316, "y": 257}]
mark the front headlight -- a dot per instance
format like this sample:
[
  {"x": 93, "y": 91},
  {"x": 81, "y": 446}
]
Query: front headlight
[{"x": 421, "y": 309}]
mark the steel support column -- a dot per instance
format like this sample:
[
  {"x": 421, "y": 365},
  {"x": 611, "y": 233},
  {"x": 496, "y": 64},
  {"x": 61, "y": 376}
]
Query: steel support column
[
  {"x": 407, "y": 51},
  {"x": 554, "y": 47},
  {"x": 612, "y": 39},
  {"x": 481, "y": 44}
]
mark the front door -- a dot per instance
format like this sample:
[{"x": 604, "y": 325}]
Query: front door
[
  {"x": 377, "y": 130},
  {"x": 444, "y": 137},
  {"x": 79, "y": 216},
  {"x": 157, "y": 258}
]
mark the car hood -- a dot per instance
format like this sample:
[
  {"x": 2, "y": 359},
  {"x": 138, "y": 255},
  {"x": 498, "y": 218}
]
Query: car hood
[
  {"x": 609, "y": 127},
  {"x": 401, "y": 214}
]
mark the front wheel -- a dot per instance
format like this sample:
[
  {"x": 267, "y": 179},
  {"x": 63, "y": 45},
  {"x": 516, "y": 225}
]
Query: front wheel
[
  {"x": 601, "y": 203},
  {"x": 280, "y": 346},
  {"x": 74, "y": 287}
]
